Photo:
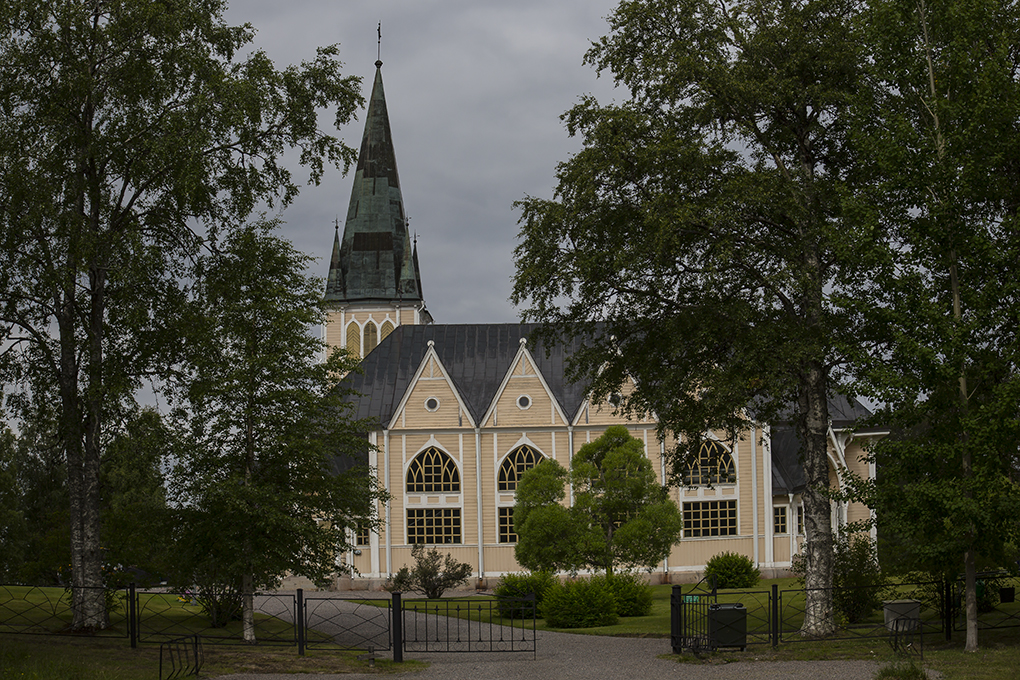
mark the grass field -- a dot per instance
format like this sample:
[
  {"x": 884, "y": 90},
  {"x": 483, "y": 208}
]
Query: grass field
[{"x": 28, "y": 657}]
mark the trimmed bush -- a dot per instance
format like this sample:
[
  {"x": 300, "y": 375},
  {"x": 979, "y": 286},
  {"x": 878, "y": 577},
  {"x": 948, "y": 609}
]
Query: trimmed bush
[
  {"x": 585, "y": 603},
  {"x": 633, "y": 596},
  {"x": 732, "y": 570},
  {"x": 521, "y": 585}
]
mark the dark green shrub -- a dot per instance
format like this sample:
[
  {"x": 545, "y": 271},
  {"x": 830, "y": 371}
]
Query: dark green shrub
[
  {"x": 633, "y": 596},
  {"x": 858, "y": 584},
  {"x": 432, "y": 575},
  {"x": 857, "y": 581},
  {"x": 521, "y": 585},
  {"x": 585, "y": 603},
  {"x": 732, "y": 570}
]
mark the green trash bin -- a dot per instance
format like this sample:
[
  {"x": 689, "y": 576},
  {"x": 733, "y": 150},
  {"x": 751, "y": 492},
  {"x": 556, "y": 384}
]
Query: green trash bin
[{"x": 727, "y": 625}]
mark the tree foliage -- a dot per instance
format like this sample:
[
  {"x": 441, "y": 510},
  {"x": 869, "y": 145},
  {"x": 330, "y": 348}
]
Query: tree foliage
[
  {"x": 941, "y": 136},
  {"x": 708, "y": 227},
  {"x": 127, "y": 129},
  {"x": 621, "y": 516},
  {"x": 274, "y": 476}
]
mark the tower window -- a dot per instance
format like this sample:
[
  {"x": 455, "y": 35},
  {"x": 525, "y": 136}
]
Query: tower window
[
  {"x": 373, "y": 240},
  {"x": 371, "y": 337},
  {"x": 354, "y": 339}
]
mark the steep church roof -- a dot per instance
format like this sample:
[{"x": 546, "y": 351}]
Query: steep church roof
[
  {"x": 477, "y": 357},
  {"x": 375, "y": 261},
  {"x": 787, "y": 473}
]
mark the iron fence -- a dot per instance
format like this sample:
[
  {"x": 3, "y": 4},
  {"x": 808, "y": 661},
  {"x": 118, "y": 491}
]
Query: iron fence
[
  {"x": 183, "y": 655},
  {"x": 45, "y": 610},
  {"x": 996, "y": 599},
  {"x": 348, "y": 623},
  {"x": 469, "y": 626},
  {"x": 168, "y": 614}
]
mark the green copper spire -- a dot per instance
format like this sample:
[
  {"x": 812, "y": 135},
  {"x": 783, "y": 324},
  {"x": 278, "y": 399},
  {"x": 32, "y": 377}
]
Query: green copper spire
[{"x": 374, "y": 261}]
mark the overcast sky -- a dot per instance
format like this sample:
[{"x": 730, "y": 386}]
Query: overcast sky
[{"x": 475, "y": 89}]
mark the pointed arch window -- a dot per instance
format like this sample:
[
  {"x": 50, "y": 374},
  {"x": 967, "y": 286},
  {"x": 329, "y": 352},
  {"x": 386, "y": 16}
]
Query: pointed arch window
[
  {"x": 520, "y": 460},
  {"x": 517, "y": 462},
  {"x": 714, "y": 465},
  {"x": 371, "y": 337},
  {"x": 433, "y": 471},
  {"x": 354, "y": 339},
  {"x": 385, "y": 330}
]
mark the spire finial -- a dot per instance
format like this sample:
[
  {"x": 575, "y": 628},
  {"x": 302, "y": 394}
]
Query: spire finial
[
  {"x": 336, "y": 221},
  {"x": 378, "y": 46}
]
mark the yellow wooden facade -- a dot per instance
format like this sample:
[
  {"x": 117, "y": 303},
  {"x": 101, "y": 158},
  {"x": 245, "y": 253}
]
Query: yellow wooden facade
[{"x": 432, "y": 415}]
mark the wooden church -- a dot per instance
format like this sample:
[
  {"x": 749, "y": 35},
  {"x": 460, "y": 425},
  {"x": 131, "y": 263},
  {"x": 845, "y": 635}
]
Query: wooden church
[{"x": 462, "y": 411}]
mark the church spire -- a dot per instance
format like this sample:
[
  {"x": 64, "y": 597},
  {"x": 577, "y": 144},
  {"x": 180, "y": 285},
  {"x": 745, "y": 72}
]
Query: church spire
[{"x": 374, "y": 262}]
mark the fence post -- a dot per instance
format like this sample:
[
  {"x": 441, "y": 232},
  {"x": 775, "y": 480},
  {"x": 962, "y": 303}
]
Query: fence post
[
  {"x": 132, "y": 612},
  {"x": 397, "y": 628},
  {"x": 947, "y": 609},
  {"x": 676, "y": 621},
  {"x": 299, "y": 621},
  {"x": 774, "y": 614}
]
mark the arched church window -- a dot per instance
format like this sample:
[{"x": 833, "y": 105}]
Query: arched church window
[
  {"x": 433, "y": 471},
  {"x": 386, "y": 329},
  {"x": 354, "y": 339},
  {"x": 519, "y": 461},
  {"x": 371, "y": 337},
  {"x": 714, "y": 465},
  {"x": 522, "y": 459}
]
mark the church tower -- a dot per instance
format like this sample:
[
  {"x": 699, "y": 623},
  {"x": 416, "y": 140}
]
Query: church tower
[{"x": 374, "y": 284}]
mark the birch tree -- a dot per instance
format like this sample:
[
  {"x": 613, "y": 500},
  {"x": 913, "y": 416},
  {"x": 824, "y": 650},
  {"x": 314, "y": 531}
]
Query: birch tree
[
  {"x": 128, "y": 129},
  {"x": 942, "y": 138},
  {"x": 707, "y": 229}
]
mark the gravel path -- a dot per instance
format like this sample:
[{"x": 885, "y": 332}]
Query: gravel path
[
  {"x": 564, "y": 656},
  {"x": 587, "y": 657}
]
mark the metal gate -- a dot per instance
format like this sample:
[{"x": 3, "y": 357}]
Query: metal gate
[{"x": 504, "y": 625}]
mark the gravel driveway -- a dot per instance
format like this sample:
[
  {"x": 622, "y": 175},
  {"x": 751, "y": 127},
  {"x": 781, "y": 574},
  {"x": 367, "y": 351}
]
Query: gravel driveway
[{"x": 564, "y": 656}]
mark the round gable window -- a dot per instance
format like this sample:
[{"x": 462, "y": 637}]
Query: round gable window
[
  {"x": 615, "y": 399},
  {"x": 432, "y": 404},
  {"x": 524, "y": 402}
]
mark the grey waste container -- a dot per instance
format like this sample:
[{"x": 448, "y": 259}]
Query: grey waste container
[
  {"x": 902, "y": 615},
  {"x": 727, "y": 625}
]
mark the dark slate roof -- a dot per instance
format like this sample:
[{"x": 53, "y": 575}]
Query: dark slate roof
[
  {"x": 477, "y": 358},
  {"x": 374, "y": 261},
  {"x": 845, "y": 412},
  {"x": 787, "y": 473}
]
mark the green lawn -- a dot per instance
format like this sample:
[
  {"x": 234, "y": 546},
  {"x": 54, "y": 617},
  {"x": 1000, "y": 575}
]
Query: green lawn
[
  {"x": 27, "y": 657},
  {"x": 98, "y": 658}
]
